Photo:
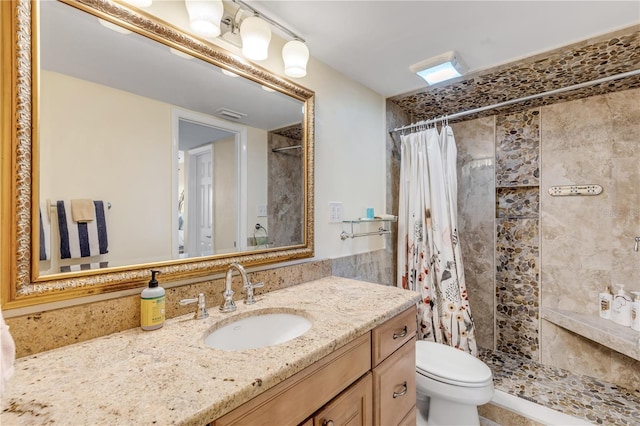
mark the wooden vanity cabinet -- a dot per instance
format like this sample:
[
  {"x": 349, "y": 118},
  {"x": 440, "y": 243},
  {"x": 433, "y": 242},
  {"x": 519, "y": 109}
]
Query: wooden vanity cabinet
[
  {"x": 370, "y": 380},
  {"x": 394, "y": 370}
]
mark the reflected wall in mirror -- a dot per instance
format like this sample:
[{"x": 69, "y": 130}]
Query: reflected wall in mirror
[{"x": 193, "y": 166}]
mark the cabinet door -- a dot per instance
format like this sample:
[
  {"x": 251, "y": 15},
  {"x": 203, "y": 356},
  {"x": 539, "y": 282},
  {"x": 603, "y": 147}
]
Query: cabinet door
[
  {"x": 298, "y": 397},
  {"x": 394, "y": 386},
  {"x": 410, "y": 420},
  {"x": 353, "y": 407}
]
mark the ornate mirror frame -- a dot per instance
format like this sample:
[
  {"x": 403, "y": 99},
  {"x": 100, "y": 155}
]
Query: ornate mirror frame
[{"x": 19, "y": 160}]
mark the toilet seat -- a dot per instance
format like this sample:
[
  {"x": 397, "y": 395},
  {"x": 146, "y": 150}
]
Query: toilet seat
[{"x": 450, "y": 365}]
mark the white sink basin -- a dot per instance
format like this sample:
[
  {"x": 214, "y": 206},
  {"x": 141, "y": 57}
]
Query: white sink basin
[{"x": 258, "y": 331}]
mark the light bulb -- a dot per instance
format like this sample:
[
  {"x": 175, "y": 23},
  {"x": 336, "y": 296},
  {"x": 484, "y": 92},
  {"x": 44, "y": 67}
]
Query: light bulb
[
  {"x": 205, "y": 16},
  {"x": 256, "y": 36},
  {"x": 295, "y": 55}
]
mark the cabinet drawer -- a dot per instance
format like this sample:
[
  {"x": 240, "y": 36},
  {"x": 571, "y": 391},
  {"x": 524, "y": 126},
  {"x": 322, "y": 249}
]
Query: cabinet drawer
[
  {"x": 354, "y": 407},
  {"x": 394, "y": 386},
  {"x": 299, "y": 396},
  {"x": 394, "y": 333}
]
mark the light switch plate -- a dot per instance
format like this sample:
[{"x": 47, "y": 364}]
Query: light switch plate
[
  {"x": 262, "y": 210},
  {"x": 335, "y": 212}
]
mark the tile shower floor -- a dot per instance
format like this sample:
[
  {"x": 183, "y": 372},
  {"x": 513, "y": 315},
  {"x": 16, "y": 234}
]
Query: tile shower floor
[{"x": 576, "y": 395}]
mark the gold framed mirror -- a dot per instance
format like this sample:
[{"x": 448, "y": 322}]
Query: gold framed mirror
[{"x": 41, "y": 166}]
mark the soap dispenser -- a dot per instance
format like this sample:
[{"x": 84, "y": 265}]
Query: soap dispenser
[
  {"x": 152, "y": 305},
  {"x": 605, "y": 298},
  {"x": 621, "y": 307},
  {"x": 635, "y": 311}
]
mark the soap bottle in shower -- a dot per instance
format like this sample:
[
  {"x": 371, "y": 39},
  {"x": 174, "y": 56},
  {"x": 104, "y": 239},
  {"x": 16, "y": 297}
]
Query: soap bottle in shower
[
  {"x": 605, "y": 298},
  {"x": 621, "y": 307},
  {"x": 635, "y": 311}
]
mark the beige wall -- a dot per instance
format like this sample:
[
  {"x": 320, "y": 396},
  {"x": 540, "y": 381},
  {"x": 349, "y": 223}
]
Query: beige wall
[
  {"x": 257, "y": 177},
  {"x": 101, "y": 143},
  {"x": 224, "y": 193}
]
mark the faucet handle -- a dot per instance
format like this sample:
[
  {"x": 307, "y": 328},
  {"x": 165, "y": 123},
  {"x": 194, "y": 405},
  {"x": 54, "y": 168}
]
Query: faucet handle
[
  {"x": 201, "y": 310},
  {"x": 250, "y": 300},
  {"x": 228, "y": 305}
]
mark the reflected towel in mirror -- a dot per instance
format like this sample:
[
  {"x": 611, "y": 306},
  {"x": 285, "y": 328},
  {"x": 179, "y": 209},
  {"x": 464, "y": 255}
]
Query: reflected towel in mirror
[
  {"x": 45, "y": 230},
  {"x": 82, "y": 239},
  {"x": 7, "y": 354},
  {"x": 84, "y": 267},
  {"x": 83, "y": 210}
]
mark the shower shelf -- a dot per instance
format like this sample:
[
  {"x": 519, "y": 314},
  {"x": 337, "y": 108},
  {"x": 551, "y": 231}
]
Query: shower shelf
[
  {"x": 383, "y": 229},
  {"x": 605, "y": 332}
]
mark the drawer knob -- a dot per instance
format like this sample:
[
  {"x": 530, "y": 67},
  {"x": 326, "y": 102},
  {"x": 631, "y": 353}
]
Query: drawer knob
[
  {"x": 404, "y": 391},
  {"x": 403, "y": 333},
  {"x": 327, "y": 422}
]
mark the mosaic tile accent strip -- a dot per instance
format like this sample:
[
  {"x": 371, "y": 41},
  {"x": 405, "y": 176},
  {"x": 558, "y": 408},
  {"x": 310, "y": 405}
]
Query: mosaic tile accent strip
[
  {"x": 610, "y": 54},
  {"x": 579, "y": 396},
  {"x": 517, "y": 287},
  {"x": 522, "y": 202},
  {"x": 292, "y": 132},
  {"x": 518, "y": 149}
]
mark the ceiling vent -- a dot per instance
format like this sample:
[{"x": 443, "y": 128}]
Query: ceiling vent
[{"x": 229, "y": 113}]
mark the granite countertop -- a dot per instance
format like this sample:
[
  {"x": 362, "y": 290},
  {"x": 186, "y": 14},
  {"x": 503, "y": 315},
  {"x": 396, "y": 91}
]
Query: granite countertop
[{"x": 169, "y": 376}]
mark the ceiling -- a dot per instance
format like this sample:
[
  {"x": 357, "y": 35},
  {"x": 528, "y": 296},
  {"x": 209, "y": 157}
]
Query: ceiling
[{"x": 375, "y": 42}]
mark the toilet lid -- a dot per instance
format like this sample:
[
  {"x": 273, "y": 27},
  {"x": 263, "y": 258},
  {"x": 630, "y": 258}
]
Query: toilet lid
[{"x": 450, "y": 365}]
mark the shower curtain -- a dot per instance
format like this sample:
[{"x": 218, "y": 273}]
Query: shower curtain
[{"x": 429, "y": 256}]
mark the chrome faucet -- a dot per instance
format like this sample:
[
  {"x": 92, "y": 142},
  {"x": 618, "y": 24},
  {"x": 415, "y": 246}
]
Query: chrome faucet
[
  {"x": 201, "y": 310},
  {"x": 635, "y": 246},
  {"x": 229, "y": 305}
]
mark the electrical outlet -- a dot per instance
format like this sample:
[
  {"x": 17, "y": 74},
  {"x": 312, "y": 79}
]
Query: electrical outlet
[
  {"x": 335, "y": 212},
  {"x": 262, "y": 210}
]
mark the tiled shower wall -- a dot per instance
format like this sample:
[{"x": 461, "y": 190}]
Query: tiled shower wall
[
  {"x": 517, "y": 244},
  {"x": 555, "y": 252},
  {"x": 285, "y": 190}
]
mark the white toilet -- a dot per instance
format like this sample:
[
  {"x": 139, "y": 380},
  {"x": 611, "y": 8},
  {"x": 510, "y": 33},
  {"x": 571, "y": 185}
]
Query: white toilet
[{"x": 450, "y": 384}]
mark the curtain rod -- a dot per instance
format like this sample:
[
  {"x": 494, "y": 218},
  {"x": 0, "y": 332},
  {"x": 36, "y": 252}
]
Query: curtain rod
[{"x": 524, "y": 98}]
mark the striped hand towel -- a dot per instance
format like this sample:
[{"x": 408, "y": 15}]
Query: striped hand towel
[
  {"x": 45, "y": 230},
  {"x": 84, "y": 267},
  {"x": 81, "y": 239}
]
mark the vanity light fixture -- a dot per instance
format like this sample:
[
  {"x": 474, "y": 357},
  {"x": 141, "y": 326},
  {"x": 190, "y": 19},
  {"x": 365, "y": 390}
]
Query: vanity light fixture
[
  {"x": 295, "y": 55},
  {"x": 439, "y": 68},
  {"x": 113, "y": 27},
  {"x": 180, "y": 53},
  {"x": 256, "y": 35},
  {"x": 253, "y": 34},
  {"x": 205, "y": 16},
  {"x": 229, "y": 73}
]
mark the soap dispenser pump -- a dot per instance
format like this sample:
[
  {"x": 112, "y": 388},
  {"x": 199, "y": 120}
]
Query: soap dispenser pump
[
  {"x": 621, "y": 307},
  {"x": 152, "y": 305}
]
